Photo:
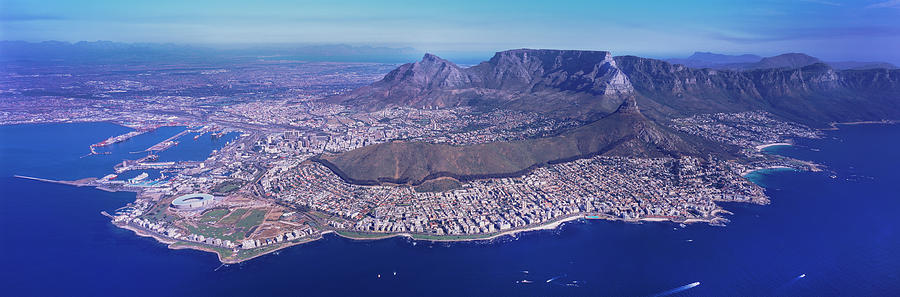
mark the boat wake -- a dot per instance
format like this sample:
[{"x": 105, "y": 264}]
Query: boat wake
[
  {"x": 791, "y": 282},
  {"x": 555, "y": 278},
  {"x": 677, "y": 290}
]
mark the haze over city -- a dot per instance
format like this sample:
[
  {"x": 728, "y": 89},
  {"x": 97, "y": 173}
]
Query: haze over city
[{"x": 831, "y": 30}]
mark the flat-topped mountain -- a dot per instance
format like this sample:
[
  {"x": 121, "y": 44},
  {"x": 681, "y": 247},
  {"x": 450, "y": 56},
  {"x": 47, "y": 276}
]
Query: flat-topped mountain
[
  {"x": 623, "y": 100},
  {"x": 587, "y": 85},
  {"x": 565, "y": 83}
]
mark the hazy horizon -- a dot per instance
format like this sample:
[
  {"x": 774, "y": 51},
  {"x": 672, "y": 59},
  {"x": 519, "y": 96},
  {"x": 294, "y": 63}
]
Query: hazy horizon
[{"x": 829, "y": 30}]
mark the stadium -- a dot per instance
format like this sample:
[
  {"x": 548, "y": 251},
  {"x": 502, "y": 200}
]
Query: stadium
[{"x": 192, "y": 201}]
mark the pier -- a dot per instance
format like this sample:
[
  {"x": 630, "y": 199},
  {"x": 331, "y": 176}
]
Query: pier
[
  {"x": 168, "y": 143},
  {"x": 116, "y": 139}
]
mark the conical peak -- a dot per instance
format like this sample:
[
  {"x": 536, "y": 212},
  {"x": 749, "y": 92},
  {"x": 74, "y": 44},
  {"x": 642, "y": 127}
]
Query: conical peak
[
  {"x": 432, "y": 58},
  {"x": 629, "y": 106}
]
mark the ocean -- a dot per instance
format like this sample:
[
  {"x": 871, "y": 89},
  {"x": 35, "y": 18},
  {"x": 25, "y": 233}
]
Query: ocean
[{"x": 828, "y": 233}]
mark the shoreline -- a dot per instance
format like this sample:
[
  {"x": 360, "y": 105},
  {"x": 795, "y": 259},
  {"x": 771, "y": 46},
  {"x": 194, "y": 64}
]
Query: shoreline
[
  {"x": 547, "y": 226},
  {"x": 175, "y": 244},
  {"x": 168, "y": 242},
  {"x": 487, "y": 236},
  {"x": 748, "y": 172},
  {"x": 764, "y": 146}
]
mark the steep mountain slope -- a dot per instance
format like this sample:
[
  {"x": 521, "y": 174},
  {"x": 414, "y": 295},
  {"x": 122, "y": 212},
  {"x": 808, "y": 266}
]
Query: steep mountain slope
[
  {"x": 606, "y": 92},
  {"x": 625, "y": 132},
  {"x": 815, "y": 94},
  {"x": 562, "y": 83},
  {"x": 856, "y": 65}
]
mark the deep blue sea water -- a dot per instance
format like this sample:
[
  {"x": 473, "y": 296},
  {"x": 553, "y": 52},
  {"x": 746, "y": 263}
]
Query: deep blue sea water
[{"x": 843, "y": 233}]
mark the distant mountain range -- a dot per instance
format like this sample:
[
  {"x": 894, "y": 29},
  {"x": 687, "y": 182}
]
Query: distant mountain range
[
  {"x": 749, "y": 62},
  {"x": 118, "y": 52},
  {"x": 624, "y": 100}
]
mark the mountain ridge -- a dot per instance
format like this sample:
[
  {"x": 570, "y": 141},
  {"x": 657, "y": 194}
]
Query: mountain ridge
[
  {"x": 579, "y": 84},
  {"x": 753, "y": 62},
  {"x": 625, "y": 101},
  {"x": 625, "y": 132}
]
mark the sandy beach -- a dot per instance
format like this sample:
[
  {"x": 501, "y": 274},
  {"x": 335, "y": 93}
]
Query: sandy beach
[{"x": 763, "y": 146}]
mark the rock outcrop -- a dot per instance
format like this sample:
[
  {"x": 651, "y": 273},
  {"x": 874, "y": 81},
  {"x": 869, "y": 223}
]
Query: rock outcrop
[
  {"x": 562, "y": 83},
  {"x": 623, "y": 100},
  {"x": 815, "y": 94}
]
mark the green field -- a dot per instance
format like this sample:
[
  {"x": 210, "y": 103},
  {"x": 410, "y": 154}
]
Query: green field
[
  {"x": 160, "y": 213},
  {"x": 222, "y": 251},
  {"x": 224, "y": 224},
  {"x": 361, "y": 235},
  {"x": 244, "y": 254},
  {"x": 253, "y": 219},
  {"x": 233, "y": 217},
  {"x": 214, "y": 215},
  {"x": 227, "y": 187},
  {"x": 216, "y": 232}
]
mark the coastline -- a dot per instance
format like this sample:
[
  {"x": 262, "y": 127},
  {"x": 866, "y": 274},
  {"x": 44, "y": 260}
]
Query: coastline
[
  {"x": 448, "y": 238},
  {"x": 764, "y": 146},
  {"x": 552, "y": 225},
  {"x": 176, "y": 244},
  {"x": 748, "y": 172}
]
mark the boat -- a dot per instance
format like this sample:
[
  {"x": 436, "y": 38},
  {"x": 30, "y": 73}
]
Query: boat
[{"x": 138, "y": 178}]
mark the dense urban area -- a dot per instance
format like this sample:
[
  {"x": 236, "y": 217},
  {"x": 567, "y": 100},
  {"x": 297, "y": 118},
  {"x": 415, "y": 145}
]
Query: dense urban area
[{"x": 267, "y": 193}]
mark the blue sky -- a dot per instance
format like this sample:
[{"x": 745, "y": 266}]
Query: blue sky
[{"x": 829, "y": 29}]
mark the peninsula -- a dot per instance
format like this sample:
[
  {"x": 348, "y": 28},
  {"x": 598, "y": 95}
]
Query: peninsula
[{"x": 526, "y": 140}]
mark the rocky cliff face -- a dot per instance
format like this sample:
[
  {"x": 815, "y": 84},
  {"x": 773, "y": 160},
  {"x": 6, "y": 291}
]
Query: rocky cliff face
[
  {"x": 559, "y": 82},
  {"x": 623, "y": 99},
  {"x": 815, "y": 94},
  {"x": 588, "y": 85},
  {"x": 592, "y": 72}
]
